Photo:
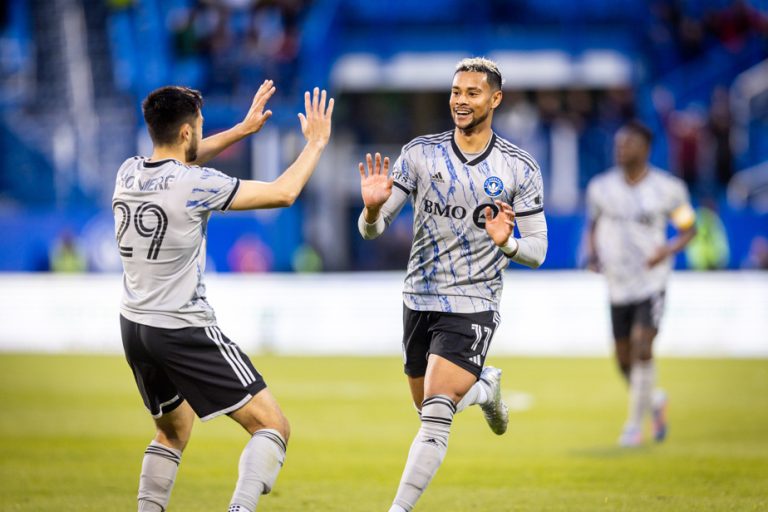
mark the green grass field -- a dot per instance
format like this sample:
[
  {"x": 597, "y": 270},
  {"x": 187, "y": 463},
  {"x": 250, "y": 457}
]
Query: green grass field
[{"x": 73, "y": 432}]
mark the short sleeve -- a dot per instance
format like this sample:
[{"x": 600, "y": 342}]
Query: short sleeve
[
  {"x": 405, "y": 173},
  {"x": 529, "y": 194},
  {"x": 211, "y": 190},
  {"x": 593, "y": 206}
]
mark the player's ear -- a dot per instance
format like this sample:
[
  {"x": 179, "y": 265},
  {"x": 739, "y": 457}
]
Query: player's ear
[
  {"x": 496, "y": 98},
  {"x": 185, "y": 132}
]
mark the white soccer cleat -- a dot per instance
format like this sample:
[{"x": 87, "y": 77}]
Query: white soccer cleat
[
  {"x": 495, "y": 410},
  {"x": 631, "y": 437}
]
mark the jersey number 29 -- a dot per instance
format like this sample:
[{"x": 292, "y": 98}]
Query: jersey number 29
[{"x": 156, "y": 232}]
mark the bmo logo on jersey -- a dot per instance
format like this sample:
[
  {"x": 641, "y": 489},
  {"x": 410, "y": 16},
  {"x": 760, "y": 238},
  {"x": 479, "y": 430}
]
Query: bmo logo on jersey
[
  {"x": 459, "y": 212},
  {"x": 448, "y": 210}
]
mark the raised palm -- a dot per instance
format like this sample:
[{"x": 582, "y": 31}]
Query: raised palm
[{"x": 375, "y": 184}]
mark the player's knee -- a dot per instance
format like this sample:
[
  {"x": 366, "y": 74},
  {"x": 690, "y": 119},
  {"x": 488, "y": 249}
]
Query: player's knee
[
  {"x": 253, "y": 418},
  {"x": 176, "y": 439}
]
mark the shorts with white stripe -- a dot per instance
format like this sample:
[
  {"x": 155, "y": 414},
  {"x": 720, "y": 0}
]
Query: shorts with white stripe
[
  {"x": 197, "y": 364},
  {"x": 461, "y": 338}
]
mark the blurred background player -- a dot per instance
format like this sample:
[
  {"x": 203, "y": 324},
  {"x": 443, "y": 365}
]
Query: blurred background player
[
  {"x": 182, "y": 362},
  {"x": 467, "y": 187},
  {"x": 629, "y": 209}
]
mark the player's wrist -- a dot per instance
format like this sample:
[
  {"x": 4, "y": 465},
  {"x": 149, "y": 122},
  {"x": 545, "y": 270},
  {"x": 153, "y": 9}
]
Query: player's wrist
[
  {"x": 510, "y": 247},
  {"x": 241, "y": 130},
  {"x": 371, "y": 215}
]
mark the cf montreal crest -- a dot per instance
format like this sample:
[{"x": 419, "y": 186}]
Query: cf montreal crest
[{"x": 493, "y": 187}]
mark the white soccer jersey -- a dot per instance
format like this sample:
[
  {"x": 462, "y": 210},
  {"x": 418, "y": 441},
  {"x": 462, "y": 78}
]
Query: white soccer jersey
[
  {"x": 631, "y": 225},
  {"x": 161, "y": 216},
  {"x": 454, "y": 265}
]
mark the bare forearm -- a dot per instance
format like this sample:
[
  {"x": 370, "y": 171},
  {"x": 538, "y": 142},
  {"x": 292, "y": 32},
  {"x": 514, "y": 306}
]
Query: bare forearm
[
  {"x": 292, "y": 181},
  {"x": 679, "y": 242},
  {"x": 285, "y": 189},
  {"x": 215, "y": 144},
  {"x": 591, "y": 246}
]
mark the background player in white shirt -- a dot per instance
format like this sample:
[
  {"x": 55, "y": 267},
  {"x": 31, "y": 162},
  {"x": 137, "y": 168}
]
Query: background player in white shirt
[
  {"x": 629, "y": 209},
  {"x": 182, "y": 362},
  {"x": 467, "y": 187}
]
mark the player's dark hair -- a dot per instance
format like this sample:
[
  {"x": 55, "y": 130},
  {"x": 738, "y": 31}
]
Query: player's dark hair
[
  {"x": 482, "y": 65},
  {"x": 640, "y": 129},
  {"x": 167, "y": 108}
]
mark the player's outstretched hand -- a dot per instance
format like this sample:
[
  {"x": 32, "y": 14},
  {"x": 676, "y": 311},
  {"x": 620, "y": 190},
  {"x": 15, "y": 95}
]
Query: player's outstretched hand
[
  {"x": 316, "y": 122},
  {"x": 256, "y": 116},
  {"x": 502, "y": 226},
  {"x": 375, "y": 182}
]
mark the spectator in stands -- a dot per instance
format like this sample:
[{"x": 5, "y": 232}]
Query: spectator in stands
[
  {"x": 719, "y": 127},
  {"x": 709, "y": 249},
  {"x": 66, "y": 256},
  {"x": 250, "y": 254},
  {"x": 734, "y": 24}
]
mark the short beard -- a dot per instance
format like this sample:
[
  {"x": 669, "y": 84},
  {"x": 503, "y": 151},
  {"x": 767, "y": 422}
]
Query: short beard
[
  {"x": 474, "y": 123},
  {"x": 191, "y": 153}
]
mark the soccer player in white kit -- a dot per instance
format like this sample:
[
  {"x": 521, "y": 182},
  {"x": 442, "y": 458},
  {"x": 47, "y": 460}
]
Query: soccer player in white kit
[
  {"x": 629, "y": 208},
  {"x": 182, "y": 362},
  {"x": 467, "y": 187}
]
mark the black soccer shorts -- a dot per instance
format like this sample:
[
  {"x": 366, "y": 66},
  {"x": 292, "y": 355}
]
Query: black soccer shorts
[
  {"x": 645, "y": 313},
  {"x": 461, "y": 338},
  {"x": 197, "y": 364}
]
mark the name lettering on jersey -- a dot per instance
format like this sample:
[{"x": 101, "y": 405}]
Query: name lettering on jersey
[
  {"x": 493, "y": 186},
  {"x": 447, "y": 210},
  {"x": 147, "y": 185}
]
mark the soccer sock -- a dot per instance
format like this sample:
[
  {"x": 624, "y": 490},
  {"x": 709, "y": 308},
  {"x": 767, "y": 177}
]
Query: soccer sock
[
  {"x": 625, "y": 370},
  {"x": 260, "y": 463},
  {"x": 158, "y": 473},
  {"x": 427, "y": 451},
  {"x": 477, "y": 394},
  {"x": 642, "y": 380}
]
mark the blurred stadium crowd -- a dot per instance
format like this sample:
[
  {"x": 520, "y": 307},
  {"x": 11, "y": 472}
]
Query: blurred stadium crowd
[{"x": 73, "y": 73}]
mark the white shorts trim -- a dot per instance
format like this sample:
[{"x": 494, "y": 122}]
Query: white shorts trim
[{"x": 228, "y": 409}]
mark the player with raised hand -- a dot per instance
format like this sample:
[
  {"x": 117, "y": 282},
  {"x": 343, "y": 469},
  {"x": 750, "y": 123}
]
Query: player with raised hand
[
  {"x": 468, "y": 186},
  {"x": 182, "y": 362},
  {"x": 629, "y": 209}
]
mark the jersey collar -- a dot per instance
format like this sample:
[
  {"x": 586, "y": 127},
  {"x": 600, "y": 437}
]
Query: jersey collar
[
  {"x": 158, "y": 163},
  {"x": 477, "y": 159}
]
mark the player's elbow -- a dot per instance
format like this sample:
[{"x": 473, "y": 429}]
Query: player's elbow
[
  {"x": 285, "y": 198},
  {"x": 539, "y": 254}
]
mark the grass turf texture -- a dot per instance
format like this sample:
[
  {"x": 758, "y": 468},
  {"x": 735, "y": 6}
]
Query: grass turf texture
[{"x": 73, "y": 432}]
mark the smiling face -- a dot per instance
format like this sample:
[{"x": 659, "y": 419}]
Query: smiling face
[{"x": 472, "y": 101}]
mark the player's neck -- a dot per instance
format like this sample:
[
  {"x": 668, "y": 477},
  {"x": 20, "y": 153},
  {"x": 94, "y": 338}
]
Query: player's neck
[
  {"x": 473, "y": 141},
  {"x": 635, "y": 173},
  {"x": 168, "y": 153}
]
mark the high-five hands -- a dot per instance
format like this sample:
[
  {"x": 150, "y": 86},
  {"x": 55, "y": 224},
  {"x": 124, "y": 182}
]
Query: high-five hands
[
  {"x": 316, "y": 121},
  {"x": 502, "y": 226},
  {"x": 256, "y": 116},
  {"x": 375, "y": 185}
]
